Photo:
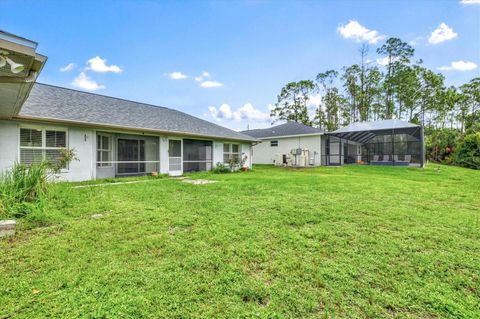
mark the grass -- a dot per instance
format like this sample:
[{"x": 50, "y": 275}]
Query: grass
[{"x": 349, "y": 242}]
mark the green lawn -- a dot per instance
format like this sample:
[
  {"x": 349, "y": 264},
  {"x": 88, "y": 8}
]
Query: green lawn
[{"x": 349, "y": 242}]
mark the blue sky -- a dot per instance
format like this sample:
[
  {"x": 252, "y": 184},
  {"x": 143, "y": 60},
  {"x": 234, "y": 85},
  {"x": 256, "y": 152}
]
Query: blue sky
[{"x": 225, "y": 61}]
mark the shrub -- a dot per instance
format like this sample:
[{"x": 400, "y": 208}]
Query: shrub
[
  {"x": 467, "y": 153},
  {"x": 221, "y": 168},
  {"x": 24, "y": 188},
  {"x": 440, "y": 144},
  {"x": 236, "y": 163}
]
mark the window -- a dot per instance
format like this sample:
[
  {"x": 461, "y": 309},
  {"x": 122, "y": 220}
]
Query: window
[
  {"x": 38, "y": 145},
  {"x": 230, "y": 151},
  {"x": 104, "y": 150},
  {"x": 273, "y": 143}
]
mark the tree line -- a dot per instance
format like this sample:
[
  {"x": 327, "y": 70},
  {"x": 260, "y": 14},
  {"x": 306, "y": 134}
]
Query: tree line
[{"x": 404, "y": 89}]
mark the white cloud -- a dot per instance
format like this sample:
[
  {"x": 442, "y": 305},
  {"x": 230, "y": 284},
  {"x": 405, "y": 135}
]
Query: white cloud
[
  {"x": 223, "y": 112},
  {"x": 204, "y": 75},
  {"x": 246, "y": 112},
  {"x": 82, "y": 81},
  {"x": 97, "y": 64},
  {"x": 210, "y": 84},
  {"x": 213, "y": 112},
  {"x": 383, "y": 61},
  {"x": 441, "y": 34},
  {"x": 459, "y": 66},
  {"x": 415, "y": 41},
  {"x": 359, "y": 33},
  {"x": 177, "y": 76},
  {"x": 68, "y": 67},
  {"x": 314, "y": 100},
  {"x": 470, "y": 2}
]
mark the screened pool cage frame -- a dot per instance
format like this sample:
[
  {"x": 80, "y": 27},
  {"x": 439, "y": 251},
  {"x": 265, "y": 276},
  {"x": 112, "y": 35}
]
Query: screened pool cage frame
[{"x": 402, "y": 146}]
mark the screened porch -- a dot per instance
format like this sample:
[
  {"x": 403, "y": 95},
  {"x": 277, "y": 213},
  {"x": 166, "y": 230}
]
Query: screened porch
[
  {"x": 124, "y": 155},
  {"x": 387, "y": 142}
]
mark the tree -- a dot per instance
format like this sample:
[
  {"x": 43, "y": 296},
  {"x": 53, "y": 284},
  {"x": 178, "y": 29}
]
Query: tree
[
  {"x": 407, "y": 92},
  {"x": 397, "y": 54},
  {"x": 352, "y": 82},
  {"x": 292, "y": 102},
  {"x": 362, "y": 84},
  {"x": 332, "y": 101},
  {"x": 471, "y": 100},
  {"x": 468, "y": 152},
  {"x": 430, "y": 91}
]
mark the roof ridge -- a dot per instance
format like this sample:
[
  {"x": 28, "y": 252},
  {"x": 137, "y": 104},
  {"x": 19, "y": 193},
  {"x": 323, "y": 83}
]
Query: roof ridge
[
  {"x": 102, "y": 95},
  {"x": 286, "y": 123}
]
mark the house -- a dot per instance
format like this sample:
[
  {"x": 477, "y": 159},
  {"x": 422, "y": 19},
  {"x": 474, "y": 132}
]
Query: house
[
  {"x": 278, "y": 142},
  {"x": 383, "y": 142},
  {"x": 111, "y": 136}
]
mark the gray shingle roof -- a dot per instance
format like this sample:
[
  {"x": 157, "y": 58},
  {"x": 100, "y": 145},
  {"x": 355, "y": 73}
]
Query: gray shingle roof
[
  {"x": 287, "y": 129},
  {"x": 67, "y": 105},
  {"x": 375, "y": 125}
]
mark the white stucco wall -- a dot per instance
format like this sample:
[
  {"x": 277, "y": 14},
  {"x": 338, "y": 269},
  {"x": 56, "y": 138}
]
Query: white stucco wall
[
  {"x": 217, "y": 152},
  {"x": 78, "y": 138},
  {"x": 263, "y": 153},
  {"x": 8, "y": 144},
  {"x": 83, "y": 140},
  {"x": 246, "y": 150}
]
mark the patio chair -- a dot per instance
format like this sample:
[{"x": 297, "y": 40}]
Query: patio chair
[
  {"x": 375, "y": 158},
  {"x": 408, "y": 158},
  {"x": 386, "y": 158}
]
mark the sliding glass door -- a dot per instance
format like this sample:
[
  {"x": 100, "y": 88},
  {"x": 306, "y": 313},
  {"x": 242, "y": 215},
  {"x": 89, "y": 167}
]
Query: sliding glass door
[{"x": 130, "y": 150}]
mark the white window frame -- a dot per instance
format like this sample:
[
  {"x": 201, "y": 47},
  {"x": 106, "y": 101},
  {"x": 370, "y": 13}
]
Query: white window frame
[
  {"x": 230, "y": 152},
  {"x": 44, "y": 147},
  {"x": 110, "y": 150}
]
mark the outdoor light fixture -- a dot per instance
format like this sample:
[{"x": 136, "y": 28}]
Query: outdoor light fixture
[{"x": 14, "y": 66}]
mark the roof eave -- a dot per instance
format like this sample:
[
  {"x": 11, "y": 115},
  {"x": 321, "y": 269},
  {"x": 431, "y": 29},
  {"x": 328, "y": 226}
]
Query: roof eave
[
  {"x": 287, "y": 136},
  {"x": 125, "y": 128}
]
